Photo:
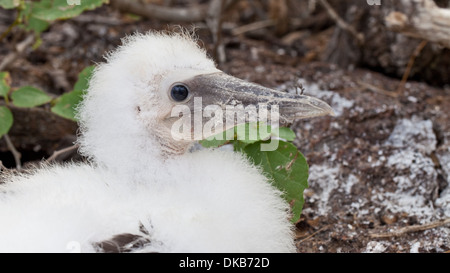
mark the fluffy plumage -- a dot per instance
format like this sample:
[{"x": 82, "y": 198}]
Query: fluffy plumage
[
  {"x": 206, "y": 201},
  {"x": 192, "y": 204}
]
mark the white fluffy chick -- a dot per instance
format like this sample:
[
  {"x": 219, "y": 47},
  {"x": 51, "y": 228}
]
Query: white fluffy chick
[{"x": 143, "y": 191}]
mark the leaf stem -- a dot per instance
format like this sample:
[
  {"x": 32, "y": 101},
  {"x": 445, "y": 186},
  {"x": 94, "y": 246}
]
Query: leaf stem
[{"x": 9, "y": 29}]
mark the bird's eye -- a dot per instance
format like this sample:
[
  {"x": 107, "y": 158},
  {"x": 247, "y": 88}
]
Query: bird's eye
[{"x": 179, "y": 92}]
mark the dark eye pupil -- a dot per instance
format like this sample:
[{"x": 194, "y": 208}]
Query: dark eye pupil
[{"x": 179, "y": 92}]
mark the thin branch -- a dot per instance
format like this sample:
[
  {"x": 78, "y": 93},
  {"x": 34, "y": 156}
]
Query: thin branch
[
  {"x": 296, "y": 23},
  {"x": 10, "y": 28},
  {"x": 97, "y": 19},
  {"x": 62, "y": 151},
  {"x": 313, "y": 234},
  {"x": 214, "y": 22},
  {"x": 190, "y": 14},
  {"x": 413, "y": 57},
  {"x": 341, "y": 23},
  {"x": 16, "y": 154},
  {"x": 3, "y": 167},
  {"x": 414, "y": 228},
  {"x": 5, "y": 170},
  {"x": 253, "y": 26},
  {"x": 377, "y": 89}
]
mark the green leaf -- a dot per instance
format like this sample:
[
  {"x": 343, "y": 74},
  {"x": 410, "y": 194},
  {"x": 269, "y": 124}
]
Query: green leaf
[
  {"x": 238, "y": 146},
  {"x": 285, "y": 166},
  {"x": 50, "y": 10},
  {"x": 241, "y": 135},
  {"x": 5, "y": 81},
  {"x": 28, "y": 96},
  {"x": 217, "y": 140},
  {"x": 37, "y": 25},
  {"x": 6, "y": 120},
  {"x": 252, "y": 132},
  {"x": 284, "y": 133},
  {"x": 83, "y": 78},
  {"x": 288, "y": 169},
  {"x": 65, "y": 105},
  {"x": 213, "y": 142},
  {"x": 9, "y": 4}
]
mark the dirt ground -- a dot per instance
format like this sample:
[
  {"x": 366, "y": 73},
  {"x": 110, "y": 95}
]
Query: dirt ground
[{"x": 379, "y": 169}]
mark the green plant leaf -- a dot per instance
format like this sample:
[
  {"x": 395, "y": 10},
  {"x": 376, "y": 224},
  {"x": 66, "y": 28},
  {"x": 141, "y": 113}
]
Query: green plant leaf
[
  {"x": 286, "y": 166},
  {"x": 9, "y": 4},
  {"x": 6, "y": 120},
  {"x": 29, "y": 96},
  {"x": 218, "y": 140},
  {"x": 213, "y": 142},
  {"x": 252, "y": 132},
  {"x": 284, "y": 133},
  {"x": 37, "y": 25},
  {"x": 83, "y": 78},
  {"x": 241, "y": 135},
  {"x": 5, "y": 82},
  {"x": 50, "y": 10},
  {"x": 288, "y": 169},
  {"x": 65, "y": 105}
]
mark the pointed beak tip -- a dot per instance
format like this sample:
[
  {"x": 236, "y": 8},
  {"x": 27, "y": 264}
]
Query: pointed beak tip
[
  {"x": 326, "y": 110},
  {"x": 332, "y": 113}
]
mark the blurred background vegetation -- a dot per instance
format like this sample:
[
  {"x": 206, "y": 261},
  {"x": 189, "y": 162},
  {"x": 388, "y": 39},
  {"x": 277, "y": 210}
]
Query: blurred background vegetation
[{"x": 46, "y": 44}]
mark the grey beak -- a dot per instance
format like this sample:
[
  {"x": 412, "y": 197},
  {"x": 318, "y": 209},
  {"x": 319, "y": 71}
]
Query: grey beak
[{"x": 222, "y": 89}]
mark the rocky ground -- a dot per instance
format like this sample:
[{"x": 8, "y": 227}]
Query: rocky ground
[
  {"x": 379, "y": 169},
  {"x": 380, "y": 165}
]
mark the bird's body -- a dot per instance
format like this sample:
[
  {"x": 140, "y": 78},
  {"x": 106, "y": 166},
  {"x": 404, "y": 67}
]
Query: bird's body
[
  {"x": 142, "y": 183},
  {"x": 198, "y": 206}
]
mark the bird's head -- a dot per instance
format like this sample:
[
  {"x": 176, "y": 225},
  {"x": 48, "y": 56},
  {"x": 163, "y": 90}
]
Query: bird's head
[{"x": 135, "y": 100}]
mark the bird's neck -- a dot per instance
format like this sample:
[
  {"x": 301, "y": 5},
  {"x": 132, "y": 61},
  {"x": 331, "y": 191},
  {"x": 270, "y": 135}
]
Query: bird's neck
[
  {"x": 170, "y": 149},
  {"x": 142, "y": 165}
]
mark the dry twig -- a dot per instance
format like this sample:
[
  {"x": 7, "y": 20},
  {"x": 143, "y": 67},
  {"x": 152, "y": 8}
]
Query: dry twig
[
  {"x": 190, "y": 14},
  {"x": 214, "y": 22},
  {"x": 3, "y": 167},
  {"x": 413, "y": 57},
  {"x": 11, "y": 27},
  {"x": 62, "y": 151},
  {"x": 414, "y": 228},
  {"x": 313, "y": 234},
  {"x": 341, "y": 23},
  {"x": 377, "y": 89},
  {"x": 253, "y": 26},
  {"x": 16, "y": 154},
  {"x": 97, "y": 19}
]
